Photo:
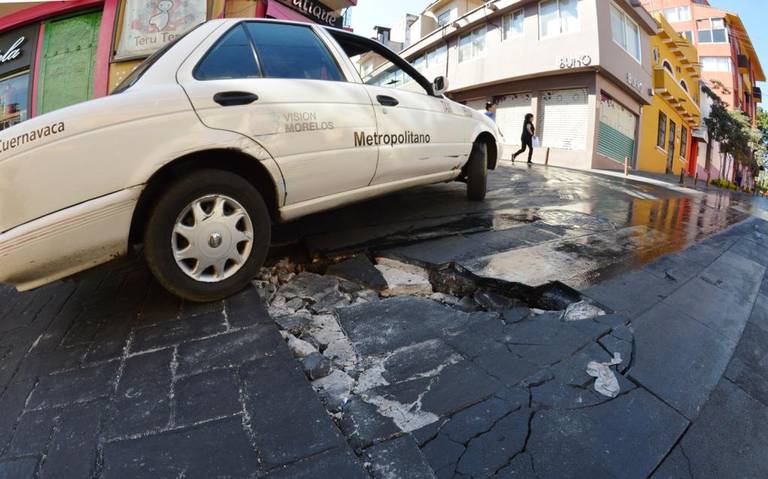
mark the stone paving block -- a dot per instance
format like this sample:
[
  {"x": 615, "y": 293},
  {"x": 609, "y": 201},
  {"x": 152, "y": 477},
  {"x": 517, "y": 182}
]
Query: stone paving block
[
  {"x": 480, "y": 418},
  {"x": 739, "y": 276},
  {"x": 508, "y": 368},
  {"x": 442, "y": 455},
  {"x": 110, "y": 341},
  {"x": 387, "y": 325},
  {"x": 287, "y": 419},
  {"x": 521, "y": 467},
  {"x": 752, "y": 378},
  {"x": 168, "y": 333},
  {"x": 399, "y": 457},
  {"x": 33, "y": 432},
  {"x": 18, "y": 468},
  {"x": 213, "y": 449},
  {"x": 674, "y": 267},
  {"x": 626, "y": 437},
  {"x": 77, "y": 385},
  {"x": 12, "y": 404},
  {"x": 190, "y": 309},
  {"x": 418, "y": 359},
  {"x": 759, "y": 316},
  {"x": 492, "y": 450},
  {"x": 142, "y": 402},
  {"x": 730, "y": 437},
  {"x": 41, "y": 363},
  {"x": 750, "y": 250},
  {"x": 247, "y": 309},
  {"x": 633, "y": 293},
  {"x": 72, "y": 452},
  {"x": 229, "y": 349},
  {"x": 675, "y": 466},
  {"x": 206, "y": 396},
  {"x": 713, "y": 307},
  {"x": 362, "y": 424},
  {"x": 678, "y": 358},
  {"x": 339, "y": 463}
]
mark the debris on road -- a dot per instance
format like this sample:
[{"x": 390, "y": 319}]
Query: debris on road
[
  {"x": 606, "y": 383},
  {"x": 402, "y": 278},
  {"x": 581, "y": 311}
]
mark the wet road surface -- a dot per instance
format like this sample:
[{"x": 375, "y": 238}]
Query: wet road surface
[{"x": 537, "y": 225}]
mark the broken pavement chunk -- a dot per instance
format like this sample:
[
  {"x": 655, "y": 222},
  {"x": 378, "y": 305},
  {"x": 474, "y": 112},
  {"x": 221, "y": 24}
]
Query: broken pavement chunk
[
  {"x": 403, "y": 279},
  {"x": 316, "y": 366},
  {"x": 359, "y": 269},
  {"x": 334, "y": 389}
]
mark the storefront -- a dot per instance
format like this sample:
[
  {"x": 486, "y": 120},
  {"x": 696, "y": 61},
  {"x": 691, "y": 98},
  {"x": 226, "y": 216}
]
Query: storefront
[{"x": 57, "y": 54}]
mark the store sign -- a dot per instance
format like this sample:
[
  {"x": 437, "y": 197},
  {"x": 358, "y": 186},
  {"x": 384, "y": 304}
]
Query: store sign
[
  {"x": 574, "y": 61},
  {"x": 17, "y": 49},
  {"x": 316, "y": 11},
  {"x": 634, "y": 83},
  {"x": 150, "y": 24}
]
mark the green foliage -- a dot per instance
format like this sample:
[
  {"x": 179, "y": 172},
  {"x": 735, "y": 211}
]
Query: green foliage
[
  {"x": 723, "y": 183},
  {"x": 734, "y": 131}
]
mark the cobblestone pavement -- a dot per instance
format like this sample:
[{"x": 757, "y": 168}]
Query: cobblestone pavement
[{"x": 386, "y": 366}]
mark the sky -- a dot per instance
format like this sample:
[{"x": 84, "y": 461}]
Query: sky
[{"x": 369, "y": 13}]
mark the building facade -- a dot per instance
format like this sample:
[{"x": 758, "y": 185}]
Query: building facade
[
  {"x": 55, "y": 54},
  {"x": 580, "y": 66},
  {"x": 729, "y": 61},
  {"x": 669, "y": 123}
]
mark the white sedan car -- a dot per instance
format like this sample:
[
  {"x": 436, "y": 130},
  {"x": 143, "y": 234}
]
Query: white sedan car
[{"x": 235, "y": 126}]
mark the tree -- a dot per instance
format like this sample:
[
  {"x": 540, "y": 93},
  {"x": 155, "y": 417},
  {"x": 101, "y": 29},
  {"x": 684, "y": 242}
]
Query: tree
[{"x": 721, "y": 128}]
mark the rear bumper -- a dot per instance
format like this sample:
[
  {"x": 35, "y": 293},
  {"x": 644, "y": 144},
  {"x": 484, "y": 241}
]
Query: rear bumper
[{"x": 68, "y": 241}]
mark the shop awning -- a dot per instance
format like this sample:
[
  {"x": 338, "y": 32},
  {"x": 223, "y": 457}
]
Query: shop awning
[{"x": 276, "y": 10}]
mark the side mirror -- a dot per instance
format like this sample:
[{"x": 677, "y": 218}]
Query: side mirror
[{"x": 440, "y": 85}]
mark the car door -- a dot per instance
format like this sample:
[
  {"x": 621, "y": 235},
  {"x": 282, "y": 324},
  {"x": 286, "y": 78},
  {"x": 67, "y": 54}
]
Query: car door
[
  {"x": 418, "y": 133},
  {"x": 279, "y": 84}
]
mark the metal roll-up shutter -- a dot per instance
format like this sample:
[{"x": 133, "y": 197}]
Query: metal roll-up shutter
[
  {"x": 564, "y": 119},
  {"x": 618, "y": 128},
  {"x": 510, "y": 116}
]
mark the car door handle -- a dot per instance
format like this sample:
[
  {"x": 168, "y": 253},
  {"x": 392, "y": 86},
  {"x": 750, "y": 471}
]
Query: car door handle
[
  {"x": 387, "y": 100},
  {"x": 232, "y": 98}
]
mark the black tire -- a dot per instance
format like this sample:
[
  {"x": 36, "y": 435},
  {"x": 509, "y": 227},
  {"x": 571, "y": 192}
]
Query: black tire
[
  {"x": 477, "y": 172},
  {"x": 158, "y": 250}
]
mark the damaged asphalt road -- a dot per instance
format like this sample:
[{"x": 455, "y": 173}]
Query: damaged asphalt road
[{"x": 400, "y": 353}]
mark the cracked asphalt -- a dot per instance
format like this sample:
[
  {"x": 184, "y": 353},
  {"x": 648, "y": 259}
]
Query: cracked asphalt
[{"x": 417, "y": 335}]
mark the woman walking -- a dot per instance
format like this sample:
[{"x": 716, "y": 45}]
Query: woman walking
[{"x": 527, "y": 137}]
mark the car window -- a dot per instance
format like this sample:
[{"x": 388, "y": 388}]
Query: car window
[
  {"x": 231, "y": 57},
  {"x": 380, "y": 67},
  {"x": 292, "y": 51}
]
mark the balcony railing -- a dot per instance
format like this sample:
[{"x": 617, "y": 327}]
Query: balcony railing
[
  {"x": 667, "y": 88},
  {"x": 757, "y": 94}
]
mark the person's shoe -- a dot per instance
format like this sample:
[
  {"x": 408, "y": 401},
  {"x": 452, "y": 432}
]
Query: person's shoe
[{"x": 530, "y": 162}]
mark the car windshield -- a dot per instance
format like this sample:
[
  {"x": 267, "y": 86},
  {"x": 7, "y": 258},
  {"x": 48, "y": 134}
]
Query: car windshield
[{"x": 142, "y": 68}]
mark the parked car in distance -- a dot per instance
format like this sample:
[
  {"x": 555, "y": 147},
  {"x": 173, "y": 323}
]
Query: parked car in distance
[{"x": 235, "y": 126}]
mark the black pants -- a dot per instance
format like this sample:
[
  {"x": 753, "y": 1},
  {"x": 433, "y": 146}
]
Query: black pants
[{"x": 527, "y": 142}]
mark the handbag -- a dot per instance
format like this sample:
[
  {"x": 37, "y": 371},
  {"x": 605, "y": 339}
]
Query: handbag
[{"x": 536, "y": 142}]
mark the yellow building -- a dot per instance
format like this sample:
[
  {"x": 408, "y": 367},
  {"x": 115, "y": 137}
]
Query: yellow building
[{"x": 666, "y": 144}]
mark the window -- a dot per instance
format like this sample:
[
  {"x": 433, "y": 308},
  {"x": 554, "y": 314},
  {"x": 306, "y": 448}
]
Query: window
[
  {"x": 684, "y": 143},
  {"x": 684, "y": 86},
  {"x": 672, "y": 134},
  {"x": 668, "y": 67},
  {"x": 678, "y": 14},
  {"x": 625, "y": 32},
  {"x": 437, "y": 56},
  {"x": 558, "y": 16},
  {"x": 716, "y": 64},
  {"x": 712, "y": 31},
  {"x": 472, "y": 45},
  {"x": 513, "y": 25},
  {"x": 661, "y": 138},
  {"x": 444, "y": 18},
  {"x": 292, "y": 51},
  {"x": 688, "y": 35},
  {"x": 14, "y": 93},
  {"x": 231, "y": 57}
]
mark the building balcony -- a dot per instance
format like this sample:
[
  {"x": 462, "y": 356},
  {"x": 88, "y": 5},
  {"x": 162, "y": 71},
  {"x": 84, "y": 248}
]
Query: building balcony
[
  {"x": 670, "y": 91},
  {"x": 743, "y": 62},
  {"x": 757, "y": 94}
]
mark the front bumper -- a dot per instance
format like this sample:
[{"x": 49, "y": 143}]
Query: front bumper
[{"x": 68, "y": 241}]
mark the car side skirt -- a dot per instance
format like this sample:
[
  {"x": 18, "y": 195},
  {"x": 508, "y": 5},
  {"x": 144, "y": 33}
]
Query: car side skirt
[
  {"x": 67, "y": 241},
  {"x": 297, "y": 210}
]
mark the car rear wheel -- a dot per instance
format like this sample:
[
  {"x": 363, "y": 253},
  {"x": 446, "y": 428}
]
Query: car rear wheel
[
  {"x": 207, "y": 235},
  {"x": 477, "y": 172}
]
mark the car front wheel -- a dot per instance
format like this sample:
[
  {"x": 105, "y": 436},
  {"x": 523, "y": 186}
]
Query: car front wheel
[
  {"x": 477, "y": 172},
  {"x": 207, "y": 235}
]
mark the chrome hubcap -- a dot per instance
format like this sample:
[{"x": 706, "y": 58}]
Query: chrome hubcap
[{"x": 212, "y": 238}]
